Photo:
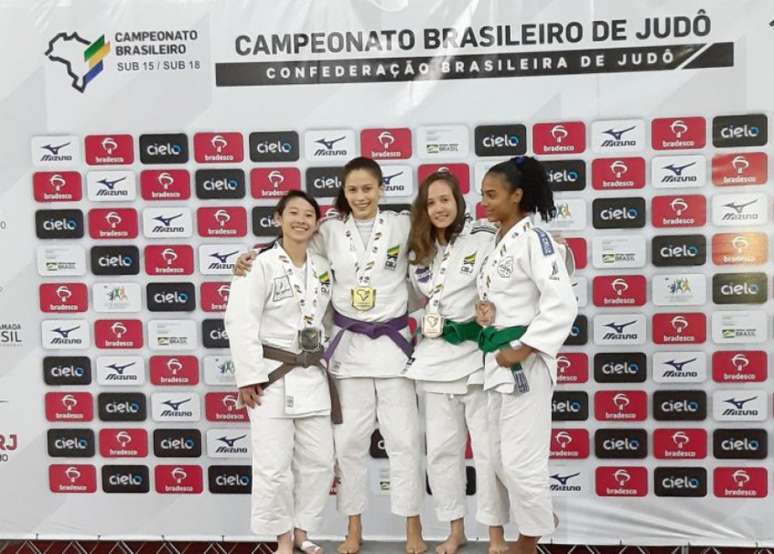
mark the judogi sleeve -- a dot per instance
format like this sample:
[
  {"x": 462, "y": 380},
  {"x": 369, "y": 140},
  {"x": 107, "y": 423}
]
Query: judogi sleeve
[
  {"x": 557, "y": 306},
  {"x": 243, "y": 321},
  {"x": 317, "y": 243}
]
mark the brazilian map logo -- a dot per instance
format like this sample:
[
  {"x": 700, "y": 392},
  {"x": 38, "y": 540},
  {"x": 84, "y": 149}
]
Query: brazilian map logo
[{"x": 81, "y": 58}]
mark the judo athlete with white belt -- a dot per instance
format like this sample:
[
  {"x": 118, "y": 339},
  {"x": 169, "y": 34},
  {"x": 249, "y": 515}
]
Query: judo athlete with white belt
[
  {"x": 370, "y": 344},
  {"x": 274, "y": 322},
  {"x": 446, "y": 250},
  {"x": 527, "y": 308}
]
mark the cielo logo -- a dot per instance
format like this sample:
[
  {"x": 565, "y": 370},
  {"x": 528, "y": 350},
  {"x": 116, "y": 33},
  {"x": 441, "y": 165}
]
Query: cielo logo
[
  {"x": 688, "y": 405},
  {"x": 569, "y": 406},
  {"x": 680, "y": 481},
  {"x": 230, "y": 479},
  {"x": 621, "y": 443},
  {"x": 82, "y": 59},
  {"x": 125, "y": 479},
  {"x": 177, "y": 443},
  {"x": 740, "y": 444},
  {"x": 121, "y": 406}
]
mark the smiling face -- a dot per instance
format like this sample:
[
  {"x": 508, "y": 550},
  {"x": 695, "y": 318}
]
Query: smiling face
[
  {"x": 298, "y": 220},
  {"x": 363, "y": 192},
  {"x": 499, "y": 201},
  {"x": 441, "y": 205}
]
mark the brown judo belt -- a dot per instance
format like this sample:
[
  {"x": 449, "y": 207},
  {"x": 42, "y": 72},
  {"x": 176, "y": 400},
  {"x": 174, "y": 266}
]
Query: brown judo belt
[{"x": 304, "y": 359}]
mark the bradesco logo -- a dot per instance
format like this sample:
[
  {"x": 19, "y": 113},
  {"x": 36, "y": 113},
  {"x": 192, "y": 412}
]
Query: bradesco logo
[
  {"x": 123, "y": 443},
  {"x": 164, "y": 149},
  {"x": 740, "y": 482},
  {"x": 624, "y": 290},
  {"x": 689, "y": 210},
  {"x": 386, "y": 144},
  {"x": 740, "y": 248},
  {"x": 165, "y": 184},
  {"x": 679, "y": 367},
  {"x": 109, "y": 149},
  {"x": 274, "y": 147},
  {"x": 124, "y": 406},
  {"x": 230, "y": 479},
  {"x": 678, "y": 133},
  {"x": 72, "y": 478},
  {"x": 559, "y": 138},
  {"x": 222, "y": 406},
  {"x": 740, "y": 130},
  {"x": 628, "y": 367},
  {"x": 323, "y": 182},
  {"x": 679, "y": 250},
  {"x": 621, "y": 443},
  {"x": 125, "y": 479},
  {"x": 569, "y": 443},
  {"x": 273, "y": 182},
  {"x": 680, "y": 481},
  {"x": 214, "y": 296},
  {"x": 566, "y": 175},
  {"x": 740, "y": 444},
  {"x": 570, "y": 406},
  {"x": 579, "y": 332},
  {"x": 739, "y": 366},
  {"x": 175, "y": 406},
  {"x": 57, "y": 186},
  {"x": 218, "y": 147},
  {"x": 500, "y": 140},
  {"x": 178, "y": 479},
  {"x": 113, "y": 223},
  {"x": 221, "y": 222},
  {"x": 740, "y": 405},
  {"x": 739, "y": 288},
  {"x": 220, "y": 184},
  {"x": 623, "y": 135},
  {"x": 680, "y": 328},
  {"x": 63, "y": 297},
  {"x": 618, "y": 173},
  {"x": 214, "y": 333},
  {"x": 66, "y": 370},
  {"x": 680, "y": 405},
  {"x": 59, "y": 224},
  {"x": 628, "y": 405},
  {"x": 177, "y": 259},
  {"x": 70, "y": 443},
  {"x": 228, "y": 443},
  {"x": 115, "y": 260},
  {"x": 459, "y": 170},
  {"x": 572, "y": 367},
  {"x": 579, "y": 250},
  {"x": 678, "y": 171},
  {"x": 679, "y": 444},
  {"x": 750, "y": 168},
  {"x": 118, "y": 333},
  {"x": 177, "y": 443},
  {"x": 170, "y": 297},
  {"x": 69, "y": 406},
  {"x": 174, "y": 370},
  {"x": 621, "y": 481}
]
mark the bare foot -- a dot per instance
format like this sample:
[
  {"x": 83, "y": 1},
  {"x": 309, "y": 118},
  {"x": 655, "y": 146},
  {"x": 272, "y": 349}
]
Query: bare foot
[
  {"x": 414, "y": 542},
  {"x": 451, "y": 545},
  {"x": 284, "y": 544},
  {"x": 301, "y": 542},
  {"x": 497, "y": 544},
  {"x": 354, "y": 539}
]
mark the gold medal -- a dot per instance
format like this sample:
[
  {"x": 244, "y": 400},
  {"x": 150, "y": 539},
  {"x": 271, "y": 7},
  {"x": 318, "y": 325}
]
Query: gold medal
[
  {"x": 432, "y": 325},
  {"x": 363, "y": 298}
]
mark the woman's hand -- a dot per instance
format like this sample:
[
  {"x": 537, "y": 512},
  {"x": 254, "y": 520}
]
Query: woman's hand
[
  {"x": 251, "y": 395},
  {"x": 244, "y": 263},
  {"x": 508, "y": 357}
]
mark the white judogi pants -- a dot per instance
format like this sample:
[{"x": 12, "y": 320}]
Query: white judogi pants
[
  {"x": 393, "y": 402},
  {"x": 292, "y": 471},
  {"x": 448, "y": 418},
  {"x": 521, "y": 436}
]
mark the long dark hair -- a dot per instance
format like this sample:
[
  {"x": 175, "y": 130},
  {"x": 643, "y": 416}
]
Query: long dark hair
[
  {"x": 423, "y": 233},
  {"x": 279, "y": 209},
  {"x": 529, "y": 175},
  {"x": 367, "y": 164}
]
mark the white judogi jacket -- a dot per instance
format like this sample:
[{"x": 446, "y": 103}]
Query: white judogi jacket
[
  {"x": 358, "y": 355},
  {"x": 526, "y": 279},
  {"x": 262, "y": 309},
  {"x": 435, "y": 359}
]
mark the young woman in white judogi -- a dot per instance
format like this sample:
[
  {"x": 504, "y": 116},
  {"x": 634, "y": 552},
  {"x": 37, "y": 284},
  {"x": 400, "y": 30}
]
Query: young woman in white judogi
[
  {"x": 370, "y": 344},
  {"x": 446, "y": 251},
  {"x": 275, "y": 311},
  {"x": 527, "y": 308}
]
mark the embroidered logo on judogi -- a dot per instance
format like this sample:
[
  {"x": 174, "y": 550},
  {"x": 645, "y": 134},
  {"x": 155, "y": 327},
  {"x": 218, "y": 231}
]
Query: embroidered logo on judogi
[
  {"x": 545, "y": 242},
  {"x": 423, "y": 273},
  {"x": 505, "y": 268},
  {"x": 468, "y": 263},
  {"x": 281, "y": 288},
  {"x": 325, "y": 282},
  {"x": 554, "y": 272},
  {"x": 392, "y": 257}
]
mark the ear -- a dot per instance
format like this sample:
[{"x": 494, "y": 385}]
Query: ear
[
  {"x": 277, "y": 219},
  {"x": 517, "y": 195}
]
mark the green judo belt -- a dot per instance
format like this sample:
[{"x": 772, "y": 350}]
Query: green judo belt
[
  {"x": 457, "y": 333},
  {"x": 491, "y": 340}
]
